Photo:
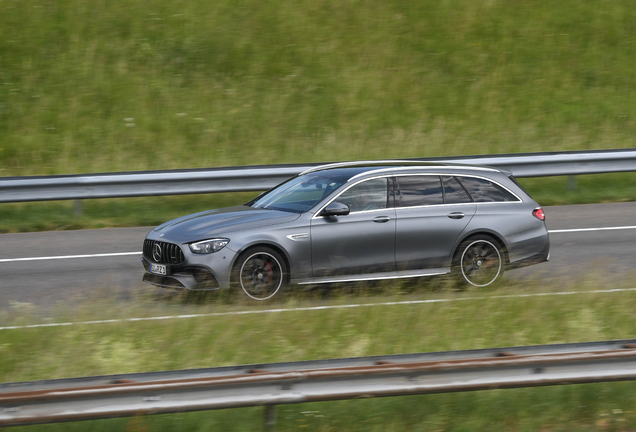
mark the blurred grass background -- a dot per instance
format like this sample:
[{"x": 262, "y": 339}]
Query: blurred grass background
[
  {"x": 137, "y": 85},
  {"x": 134, "y": 85},
  {"x": 462, "y": 320}
]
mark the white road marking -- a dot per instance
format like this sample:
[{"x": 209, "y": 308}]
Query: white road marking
[
  {"x": 591, "y": 229},
  {"x": 139, "y": 253},
  {"x": 315, "y": 308},
  {"x": 69, "y": 257}
]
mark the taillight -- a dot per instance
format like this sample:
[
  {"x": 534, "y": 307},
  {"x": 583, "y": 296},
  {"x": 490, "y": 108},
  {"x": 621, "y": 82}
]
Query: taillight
[{"x": 538, "y": 213}]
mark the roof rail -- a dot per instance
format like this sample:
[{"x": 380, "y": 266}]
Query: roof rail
[{"x": 368, "y": 162}]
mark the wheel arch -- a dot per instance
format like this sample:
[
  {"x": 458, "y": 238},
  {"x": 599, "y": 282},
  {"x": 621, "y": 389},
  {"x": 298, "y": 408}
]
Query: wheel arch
[
  {"x": 275, "y": 247},
  {"x": 495, "y": 236}
]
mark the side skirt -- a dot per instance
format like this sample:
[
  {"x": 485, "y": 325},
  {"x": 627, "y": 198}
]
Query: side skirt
[{"x": 373, "y": 276}]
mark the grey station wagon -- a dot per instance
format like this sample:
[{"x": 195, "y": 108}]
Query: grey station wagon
[{"x": 352, "y": 222}]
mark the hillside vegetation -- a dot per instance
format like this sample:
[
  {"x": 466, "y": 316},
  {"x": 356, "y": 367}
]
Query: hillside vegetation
[{"x": 134, "y": 85}]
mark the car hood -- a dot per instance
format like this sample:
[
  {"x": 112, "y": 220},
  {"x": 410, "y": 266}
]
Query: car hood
[{"x": 221, "y": 221}]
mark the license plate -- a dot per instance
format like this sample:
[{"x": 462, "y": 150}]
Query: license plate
[{"x": 159, "y": 269}]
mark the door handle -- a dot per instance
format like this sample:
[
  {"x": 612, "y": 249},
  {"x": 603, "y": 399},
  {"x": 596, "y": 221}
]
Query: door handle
[
  {"x": 381, "y": 219},
  {"x": 456, "y": 215}
]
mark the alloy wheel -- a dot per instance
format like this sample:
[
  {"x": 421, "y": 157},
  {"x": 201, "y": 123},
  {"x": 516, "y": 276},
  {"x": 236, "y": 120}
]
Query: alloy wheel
[
  {"x": 480, "y": 263},
  {"x": 261, "y": 276}
]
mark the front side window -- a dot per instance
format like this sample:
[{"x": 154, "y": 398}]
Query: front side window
[
  {"x": 420, "y": 190},
  {"x": 482, "y": 190},
  {"x": 367, "y": 195}
]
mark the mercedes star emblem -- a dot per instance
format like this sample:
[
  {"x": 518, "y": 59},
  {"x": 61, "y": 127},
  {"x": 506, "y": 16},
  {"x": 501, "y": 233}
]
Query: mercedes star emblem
[{"x": 156, "y": 252}]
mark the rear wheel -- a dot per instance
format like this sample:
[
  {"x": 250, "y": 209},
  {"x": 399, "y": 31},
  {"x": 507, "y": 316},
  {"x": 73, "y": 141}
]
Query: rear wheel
[
  {"x": 478, "y": 261},
  {"x": 260, "y": 273}
]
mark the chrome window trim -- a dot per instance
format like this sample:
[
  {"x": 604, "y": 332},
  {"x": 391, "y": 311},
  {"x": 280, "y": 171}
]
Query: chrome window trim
[
  {"x": 519, "y": 199},
  {"x": 439, "y": 205},
  {"x": 457, "y": 204}
]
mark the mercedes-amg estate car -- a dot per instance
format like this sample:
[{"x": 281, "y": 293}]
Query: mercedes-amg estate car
[{"x": 352, "y": 222}]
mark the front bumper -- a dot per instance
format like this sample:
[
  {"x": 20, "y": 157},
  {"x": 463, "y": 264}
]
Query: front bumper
[{"x": 195, "y": 278}]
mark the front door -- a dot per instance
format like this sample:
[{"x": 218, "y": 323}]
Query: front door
[{"x": 360, "y": 243}]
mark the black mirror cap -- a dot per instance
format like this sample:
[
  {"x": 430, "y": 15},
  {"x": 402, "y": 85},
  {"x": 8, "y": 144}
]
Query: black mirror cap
[{"x": 335, "y": 209}]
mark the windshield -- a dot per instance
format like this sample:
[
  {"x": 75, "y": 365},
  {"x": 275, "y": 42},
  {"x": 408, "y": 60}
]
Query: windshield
[{"x": 299, "y": 194}]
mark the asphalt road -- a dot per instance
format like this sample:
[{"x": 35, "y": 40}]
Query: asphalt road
[{"x": 63, "y": 276}]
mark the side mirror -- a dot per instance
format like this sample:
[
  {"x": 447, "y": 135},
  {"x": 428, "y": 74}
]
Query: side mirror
[{"x": 335, "y": 209}]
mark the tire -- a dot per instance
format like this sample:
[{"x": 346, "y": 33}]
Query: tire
[
  {"x": 260, "y": 274},
  {"x": 478, "y": 262}
]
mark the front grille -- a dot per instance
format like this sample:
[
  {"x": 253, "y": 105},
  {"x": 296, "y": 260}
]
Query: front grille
[{"x": 170, "y": 253}]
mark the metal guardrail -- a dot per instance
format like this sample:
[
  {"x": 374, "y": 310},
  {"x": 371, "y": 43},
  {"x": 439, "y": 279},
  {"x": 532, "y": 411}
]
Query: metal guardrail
[
  {"x": 256, "y": 178},
  {"x": 290, "y": 383}
]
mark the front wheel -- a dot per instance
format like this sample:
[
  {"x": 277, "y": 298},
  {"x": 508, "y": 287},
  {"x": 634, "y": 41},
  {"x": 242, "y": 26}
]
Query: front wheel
[
  {"x": 260, "y": 273},
  {"x": 478, "y": 261}
]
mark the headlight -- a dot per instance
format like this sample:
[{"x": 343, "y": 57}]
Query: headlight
[{"x": 209, "y": 246}]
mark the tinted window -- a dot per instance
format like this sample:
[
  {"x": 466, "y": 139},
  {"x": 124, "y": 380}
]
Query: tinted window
[
  {"x": 298, "y": 194},
  {"x": 368, "y": 195},
  {"x": 420, "y": 190},
  {"x": 482, "y": 190},
  {"x": 454, "y": 193}
]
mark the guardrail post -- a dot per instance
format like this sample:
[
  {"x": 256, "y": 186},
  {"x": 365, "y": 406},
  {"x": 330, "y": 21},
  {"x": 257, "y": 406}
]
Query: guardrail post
[
  {"x": 270, "y": 418},
  {"x": 571, "y": 182},
  {"x": 77, "y": 208}
]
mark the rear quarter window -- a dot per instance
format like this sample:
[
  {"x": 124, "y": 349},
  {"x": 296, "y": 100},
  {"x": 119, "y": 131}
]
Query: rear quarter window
[{"x": 482, "y": 190}]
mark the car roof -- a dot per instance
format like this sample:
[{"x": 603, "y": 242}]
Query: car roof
[{"x": 358, "y": 169}]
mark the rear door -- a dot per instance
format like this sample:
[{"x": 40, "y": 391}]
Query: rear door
[{"x": 432, "y": 211}]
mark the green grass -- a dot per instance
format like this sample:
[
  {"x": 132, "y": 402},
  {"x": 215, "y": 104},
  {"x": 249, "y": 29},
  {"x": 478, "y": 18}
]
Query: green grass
[
  {"x": 134, "y": 85},
  {"x": 584, "y": 189},
  {"x": 82, "y": 350},
  {"x": 145, "y": 85},
  {"x": 109, "y": 213}
]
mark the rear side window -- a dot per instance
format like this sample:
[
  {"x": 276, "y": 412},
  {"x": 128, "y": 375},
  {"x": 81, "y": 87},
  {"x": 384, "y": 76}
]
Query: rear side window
[
  {"x": 454, "y": 193},
  {"x": 482, "y": 190},
  {"x": 420, "y": 190}
]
